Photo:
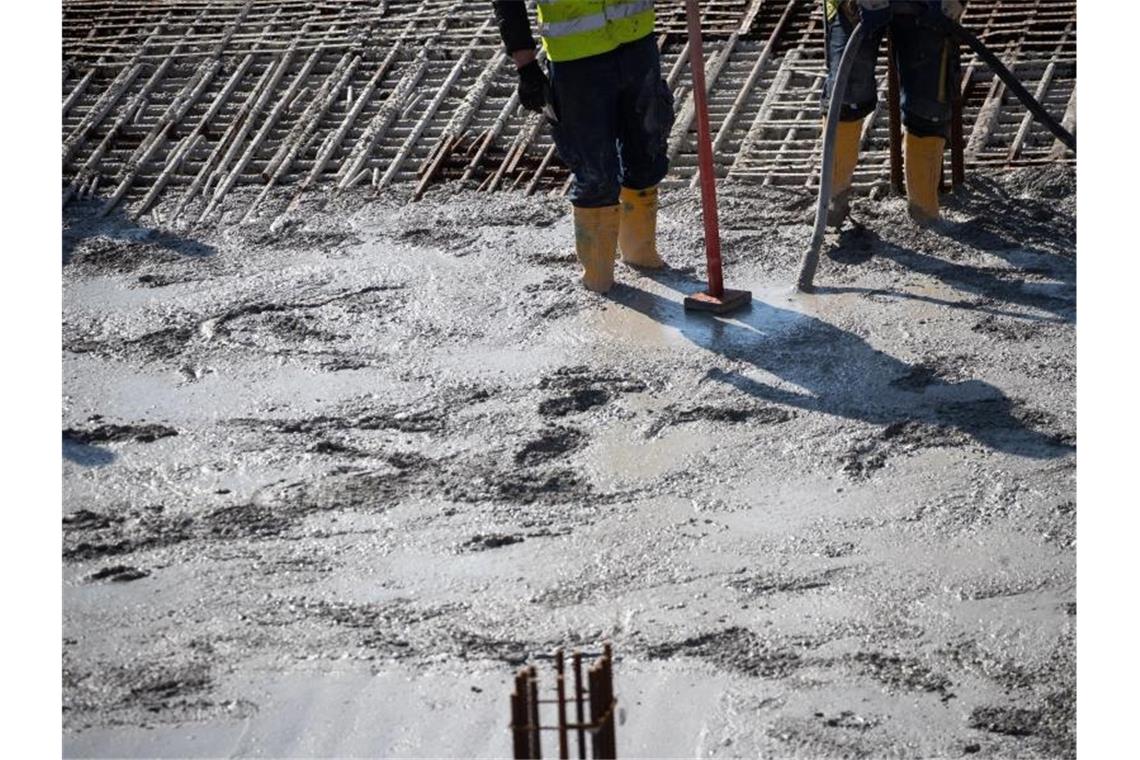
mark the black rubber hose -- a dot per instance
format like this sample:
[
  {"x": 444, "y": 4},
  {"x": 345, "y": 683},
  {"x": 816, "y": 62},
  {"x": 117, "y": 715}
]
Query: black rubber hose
[
  {"x": 810, "y": 260},
  {"x": 1035, "y": 108}
]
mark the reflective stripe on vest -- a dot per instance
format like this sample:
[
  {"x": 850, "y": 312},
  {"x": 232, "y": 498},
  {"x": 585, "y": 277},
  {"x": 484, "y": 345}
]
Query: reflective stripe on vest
[{"x": 573, "y": 29}]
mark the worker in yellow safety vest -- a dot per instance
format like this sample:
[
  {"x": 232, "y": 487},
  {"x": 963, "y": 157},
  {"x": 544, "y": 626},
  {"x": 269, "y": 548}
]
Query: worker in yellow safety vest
[{"x": 610, "y": 113}]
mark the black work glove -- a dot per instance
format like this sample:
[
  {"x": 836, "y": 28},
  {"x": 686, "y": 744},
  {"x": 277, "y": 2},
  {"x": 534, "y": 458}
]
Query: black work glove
[{"x": 534, "y": 87}]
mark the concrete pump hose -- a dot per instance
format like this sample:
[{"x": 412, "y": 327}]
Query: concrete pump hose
[
  {"x": 1035, "y": 108},
  {"x": 839, "y": 88}
]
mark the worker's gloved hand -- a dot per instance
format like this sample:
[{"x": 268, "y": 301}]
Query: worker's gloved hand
[
  {"x": 534, "y": 87},
  {"x": 874, "y": 13}
]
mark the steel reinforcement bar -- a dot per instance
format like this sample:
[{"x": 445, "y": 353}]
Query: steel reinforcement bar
[{"x": 208, "y": 110}]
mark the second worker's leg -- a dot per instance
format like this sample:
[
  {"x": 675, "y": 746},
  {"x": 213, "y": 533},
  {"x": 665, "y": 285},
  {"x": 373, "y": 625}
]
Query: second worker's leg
[
  {"x": 923, "y": 162},
  {"x": 922, "y": 52}
]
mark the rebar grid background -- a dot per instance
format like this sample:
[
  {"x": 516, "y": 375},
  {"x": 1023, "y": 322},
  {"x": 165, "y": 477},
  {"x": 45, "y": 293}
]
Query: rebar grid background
[{"x": 187, "y": 100}]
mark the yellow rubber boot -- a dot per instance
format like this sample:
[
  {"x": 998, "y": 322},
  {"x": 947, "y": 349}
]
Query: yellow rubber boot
[
  {"x": 847, "y": 136},
  {"x": 595, "y": 239},
  {"x": 923, "y": 175},
  {"x": 637, "y": 236}
]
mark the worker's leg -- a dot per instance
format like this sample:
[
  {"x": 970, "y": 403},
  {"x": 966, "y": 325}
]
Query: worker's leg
[
  {"x": 924, "y": 59},
  {"x": 586, "y": 97},
  {"x": 860, "y": 99},
  {"x": 645, "y": 118}
]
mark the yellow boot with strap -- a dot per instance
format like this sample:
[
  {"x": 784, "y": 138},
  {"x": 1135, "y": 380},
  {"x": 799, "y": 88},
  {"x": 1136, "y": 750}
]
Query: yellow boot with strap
[
  {"x": 595, "y": 240},
  {"x": 923, "y": 176},
  {"x": 847, "y": 137},
  {"x": 637, "y": 236}
]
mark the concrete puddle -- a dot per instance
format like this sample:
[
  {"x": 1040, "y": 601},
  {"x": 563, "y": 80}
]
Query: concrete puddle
[
  {"x": 618, "y": 458},
  {"x": 655, "y": 317}
]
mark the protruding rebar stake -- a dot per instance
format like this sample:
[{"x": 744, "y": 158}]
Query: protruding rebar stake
[
  {"x": 580, "y": 712},
  {"x": 519, "y": 717},
  {"x": 535, "y": 727},
  {"x": 560, "y": 671},
  {"x": 609, "y": 738},
  {"x": 595, "y": 693},
  {"x": 526, "y": 707}
]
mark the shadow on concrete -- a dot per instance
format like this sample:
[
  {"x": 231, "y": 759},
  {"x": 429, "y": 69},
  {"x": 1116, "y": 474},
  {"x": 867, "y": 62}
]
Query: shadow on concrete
[
  {"x": 836, "y": 372},
  {"x": 81, "y": 222},
  {"x": 857, "y": 244}
]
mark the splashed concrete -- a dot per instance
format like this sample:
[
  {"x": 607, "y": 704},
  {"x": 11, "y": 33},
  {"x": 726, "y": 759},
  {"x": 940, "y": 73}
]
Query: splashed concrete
[{"x": 403, "y": 451}]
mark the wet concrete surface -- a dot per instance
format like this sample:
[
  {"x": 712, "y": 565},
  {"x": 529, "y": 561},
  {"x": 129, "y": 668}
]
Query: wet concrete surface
[{"x": 329, "y": 481}]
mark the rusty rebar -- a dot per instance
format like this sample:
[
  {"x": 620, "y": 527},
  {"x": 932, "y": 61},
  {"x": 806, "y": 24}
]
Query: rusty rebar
[
  {"x": 112, "y": 49},
  {"x": 534, "y": 719},
  {"x": 560, "y": 684},
  {"x": 595, "y": 692},
  {"x": 606, "y": 699},
  {"x": 519, "y": 734},
  {"x": 579, "y": 708}
]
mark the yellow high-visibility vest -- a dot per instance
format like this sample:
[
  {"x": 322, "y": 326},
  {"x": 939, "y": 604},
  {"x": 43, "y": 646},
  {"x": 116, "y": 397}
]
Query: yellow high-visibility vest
[{"x": 572, "y": 29}]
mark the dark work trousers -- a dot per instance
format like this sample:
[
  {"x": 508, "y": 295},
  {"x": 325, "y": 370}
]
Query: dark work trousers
[
  {"x": 614, "y": 116},
  {"x": 927, "y": 63}
]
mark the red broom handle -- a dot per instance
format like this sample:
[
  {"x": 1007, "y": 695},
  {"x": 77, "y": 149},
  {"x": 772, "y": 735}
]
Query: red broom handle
[{"x": 704, "y": 151}]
